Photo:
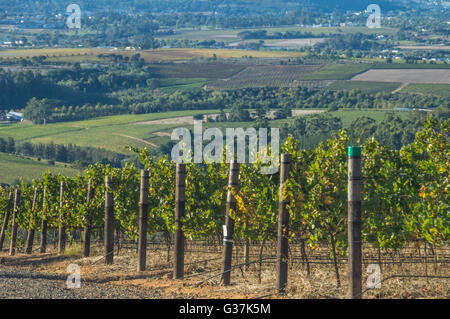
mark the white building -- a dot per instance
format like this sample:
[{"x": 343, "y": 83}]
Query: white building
[{"x": 14, "y": 116}]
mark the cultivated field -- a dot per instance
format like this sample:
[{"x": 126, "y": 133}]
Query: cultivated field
[
  {"x": 293, "y": 43},
  {"x": 184, "y": 54},
  {"x": 91, "y": 55},
  {"x": 425, "y": 47},
  {"x": 428, "y": 89},
  {"x": 52, "y": 52},
  {"x": 336, "y": 72},
  {"x": 170, "y": 85},
  {"x": 262, "y": 76},
  {"x": 368, "y": 87},
  {"x": 403, "y": 65},
  {"x": 405, "y": 76},
  {"x": 196, "y": 70}
]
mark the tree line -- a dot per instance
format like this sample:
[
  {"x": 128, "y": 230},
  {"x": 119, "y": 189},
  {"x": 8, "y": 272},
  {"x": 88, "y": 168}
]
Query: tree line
[
  {"x": 393, "y": 131},
  {"x": 143, "y": 101},
  {"x": 72, "y": 154}
]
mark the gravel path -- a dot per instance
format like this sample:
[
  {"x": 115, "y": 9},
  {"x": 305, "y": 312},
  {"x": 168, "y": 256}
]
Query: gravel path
[{"x": 34, "y": 285}]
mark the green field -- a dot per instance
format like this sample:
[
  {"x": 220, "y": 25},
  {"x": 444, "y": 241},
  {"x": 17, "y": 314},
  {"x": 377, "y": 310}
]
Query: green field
[
  {"x": 11, "y": 167},
  {"x": 428, "y": 89},
  {"x": 349, "y": 115},
  {"x": 336, "y": 72},
  {"x": 170, "y": 85},
  {"x": 109, "y": 133},
  {"x": 364, "y": 86}
]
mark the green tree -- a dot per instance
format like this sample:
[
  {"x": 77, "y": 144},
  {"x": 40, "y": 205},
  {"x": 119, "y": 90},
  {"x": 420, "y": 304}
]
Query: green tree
[{"x": 38, "y": 111}]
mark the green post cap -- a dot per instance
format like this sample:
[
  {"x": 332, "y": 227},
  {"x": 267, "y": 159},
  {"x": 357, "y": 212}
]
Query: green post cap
[{"x": 354, "y": 151}]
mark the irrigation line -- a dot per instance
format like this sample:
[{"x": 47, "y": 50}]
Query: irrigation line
[
  {"x": 343, "y": 262},
  {"x": 313, "y": 260},
  {"x": 102, "y": 257},
  {"x": 201, "y": 273},
  {"x": 188, "y": 264},
  {"x": 265, "y": 296},
  {"x": 237, "y": 266},
  {"x": 232, "y": 268}
]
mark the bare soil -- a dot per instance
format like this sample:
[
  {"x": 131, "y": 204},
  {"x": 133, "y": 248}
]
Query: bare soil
[
  {"x": 121, "y": 280},
  {"x": 405, "y": 76},
  {"x": 295, "y": 43},
  {"x": 424, "y": 47}
]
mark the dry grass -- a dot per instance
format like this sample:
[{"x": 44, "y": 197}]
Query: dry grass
[
  {"x": 245, "y": 281},
  {"x": 90, "y": 54}
]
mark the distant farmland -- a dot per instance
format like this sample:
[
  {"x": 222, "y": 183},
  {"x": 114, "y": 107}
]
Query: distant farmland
[
  {"x": 230, "y": 35},
  {"x": 425, "y": 47},
  {"x": 261, "y": 76},
  {"x": 428, "y": 89},
  {"x": 196, "y": 70},
  {"x": 91, "y": 55},
  {"x": 336, "y": 72},
  {"x": 293, "y": 43},
  {"x": 365, "y": 86},
  {"x": 405, "y": 76},
  {"x": 12, "y": 166}
]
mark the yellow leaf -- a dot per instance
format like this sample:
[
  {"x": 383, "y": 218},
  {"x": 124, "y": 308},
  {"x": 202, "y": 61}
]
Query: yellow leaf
[
  {"x": 328, "y": 200},
  {"x": 434, "y": 231}
]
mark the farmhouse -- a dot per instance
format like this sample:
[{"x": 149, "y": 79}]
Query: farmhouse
[{"x": 14, "y": 116}]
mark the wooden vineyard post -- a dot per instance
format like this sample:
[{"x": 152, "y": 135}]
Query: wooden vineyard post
[
  {"x": 87, "y": 226},
  {"x": 228, "y": 229},
  {"x": 30, "y": 235},
  {"x": 44, "y": 224},
  {"x": 143, "y": 216},
  {"x": 62, "y": 227},
  {"x": 180, "y": 206},
  {"x": 109, "y": 222},
  {"x": 6, "y": 220},
  {"x": 283, "y": 227},
  {"x": 12, "y": 247},
  {"x": 354, "y": 223}
]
